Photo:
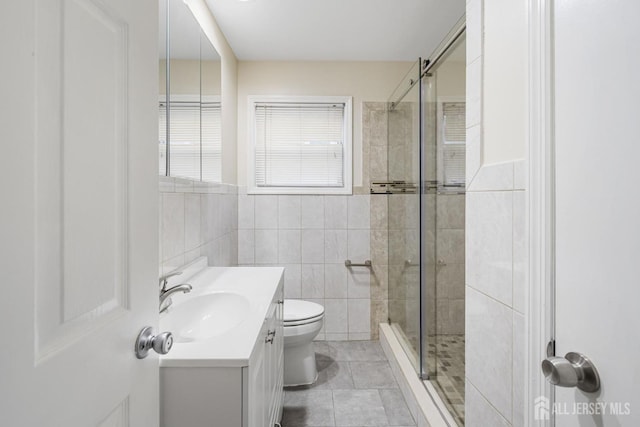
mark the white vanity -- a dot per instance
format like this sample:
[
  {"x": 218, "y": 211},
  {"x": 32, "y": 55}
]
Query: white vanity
[{"x": 226, "y": 366}]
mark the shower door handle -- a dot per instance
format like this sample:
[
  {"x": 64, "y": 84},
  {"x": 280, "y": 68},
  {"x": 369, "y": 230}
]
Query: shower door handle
[{"x": 572, "y": 370}]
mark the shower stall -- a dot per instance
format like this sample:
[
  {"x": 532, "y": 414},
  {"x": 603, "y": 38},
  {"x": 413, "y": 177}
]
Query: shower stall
[{"x": 425, "y": 188}]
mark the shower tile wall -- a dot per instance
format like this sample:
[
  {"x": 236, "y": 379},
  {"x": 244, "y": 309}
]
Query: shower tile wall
[
  {"x": 403, "y": 220},
  {"x": 449, "y": 267},
  {"x": 197, "y": 219},
  {"x": 374, "y": 135}
]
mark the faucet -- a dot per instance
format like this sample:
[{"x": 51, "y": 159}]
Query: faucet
[{"x": 166, "y": 293}]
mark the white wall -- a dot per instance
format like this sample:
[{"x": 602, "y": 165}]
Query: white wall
[
  {"x": 504, "y": 92},
  {"x": 451, "y": 79},
  {"x": 365, "y": 81},
  {"x": 185, "y": 77}
]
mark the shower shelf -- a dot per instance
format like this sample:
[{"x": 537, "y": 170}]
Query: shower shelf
[{"x": 393, "y": 187}]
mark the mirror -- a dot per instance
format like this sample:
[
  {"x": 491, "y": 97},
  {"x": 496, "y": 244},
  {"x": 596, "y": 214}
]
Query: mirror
[{"x": 190, "y": 143}]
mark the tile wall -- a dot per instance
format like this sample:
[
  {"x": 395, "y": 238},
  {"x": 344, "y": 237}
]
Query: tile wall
[
  {"x": 496, "y": 254},
  {"x": 197, "y": 219},
  {"x": 450, "y": 265},
  {"x": 495, "y": 294},
  {"x": 374, "y": 134},
  {"x": 311, "y": 236}
]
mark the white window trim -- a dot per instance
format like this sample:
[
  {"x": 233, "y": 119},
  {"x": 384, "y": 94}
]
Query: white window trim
[{"x": 348, "y": 145}]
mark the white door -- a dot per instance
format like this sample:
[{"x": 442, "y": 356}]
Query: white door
[
  {"x": 79, "y": 212},
  {"x": 597, "y": 149}
]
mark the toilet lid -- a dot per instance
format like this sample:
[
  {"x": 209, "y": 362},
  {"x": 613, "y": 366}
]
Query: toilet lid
[{"x": 296, "y": 310}]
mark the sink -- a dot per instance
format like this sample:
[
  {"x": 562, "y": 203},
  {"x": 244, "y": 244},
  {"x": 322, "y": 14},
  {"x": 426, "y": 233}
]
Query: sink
[{"x": 205, "y": 316}]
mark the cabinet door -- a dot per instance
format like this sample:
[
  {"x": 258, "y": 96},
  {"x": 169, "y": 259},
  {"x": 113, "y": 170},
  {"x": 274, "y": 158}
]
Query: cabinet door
[
  {"x": 257, "y": 393},
  {"x": 278, "y": 358},
  {"x": 275, "y": 359}
]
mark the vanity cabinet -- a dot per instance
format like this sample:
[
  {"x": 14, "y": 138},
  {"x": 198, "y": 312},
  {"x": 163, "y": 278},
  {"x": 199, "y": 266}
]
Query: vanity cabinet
[
  {"x": 223, "y": 391},
  {"x": 264, "y": 375}
]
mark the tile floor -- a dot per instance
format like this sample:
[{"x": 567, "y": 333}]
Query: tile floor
[{"x": 355, "y": 388}]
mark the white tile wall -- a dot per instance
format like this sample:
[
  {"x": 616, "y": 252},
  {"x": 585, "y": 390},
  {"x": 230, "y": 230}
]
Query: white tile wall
[
  {"x": 335, "y": 212},
  {"x": 266, "y": 212},
  {"x": 312, "y": 236},
  {"x": 496, "y": 279},
  {"x": 489, "y": 344},
  {"x": 266, "y": 250},
  {"x": 336, "y": 316},
  {"x": 335, "y": 246},
  {"x": 289, "y": 246},
  {"x": 490, "y": 243},
  {"x": 335, "y": 281},
  {"x": 198, "y": 220},
  {"x": 479, "y": 412},
  {"x": 312, "y": 281},
  {"x": 312, "y": 212},
  {"x": 289, "y": 212},
  {"x": 312, "y": 246},
  {"x": 496, "y": 245}
]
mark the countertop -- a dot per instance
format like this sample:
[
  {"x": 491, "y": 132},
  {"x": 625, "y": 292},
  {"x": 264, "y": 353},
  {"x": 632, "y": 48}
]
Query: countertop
[{"x": 234, "y": 347}]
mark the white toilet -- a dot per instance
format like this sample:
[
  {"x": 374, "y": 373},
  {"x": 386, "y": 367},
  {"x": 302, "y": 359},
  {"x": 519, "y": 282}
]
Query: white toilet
[{"x": 302, "y": 322}]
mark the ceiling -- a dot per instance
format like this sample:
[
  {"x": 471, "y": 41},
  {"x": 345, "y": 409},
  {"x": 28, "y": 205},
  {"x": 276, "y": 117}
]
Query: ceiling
[{"x": 335, "y": 30}]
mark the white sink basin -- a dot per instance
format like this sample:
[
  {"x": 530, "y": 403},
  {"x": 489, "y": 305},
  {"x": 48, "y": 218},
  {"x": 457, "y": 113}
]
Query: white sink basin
[{"x": 205, "y": 316}]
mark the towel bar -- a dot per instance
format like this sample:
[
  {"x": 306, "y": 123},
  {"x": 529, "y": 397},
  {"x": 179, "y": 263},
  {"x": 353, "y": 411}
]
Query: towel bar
[{"x": 348, "y": 264}]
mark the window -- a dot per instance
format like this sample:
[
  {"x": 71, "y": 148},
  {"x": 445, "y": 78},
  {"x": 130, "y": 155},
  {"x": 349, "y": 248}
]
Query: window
[
  {"x": 451, "y": 112},
  {"x": 299, "y": 145}
]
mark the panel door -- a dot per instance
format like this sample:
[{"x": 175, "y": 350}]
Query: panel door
[
  {"x": 597, "y": 205},
  {"x": 79, "y": 218}
]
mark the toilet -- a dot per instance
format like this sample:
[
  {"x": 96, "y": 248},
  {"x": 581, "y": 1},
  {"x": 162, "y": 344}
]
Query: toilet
[{"x": 302, "y": 322}]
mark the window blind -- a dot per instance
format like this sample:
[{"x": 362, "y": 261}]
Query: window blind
[
  {"x": 184, "y": 139},
  {"x": 454, "y": 150},
  {"x": 211, "y": 142},
  {"x": 454, "y": 122},
  {"x": 299, "y": 144},
  {"x": 195, "y": 140}
]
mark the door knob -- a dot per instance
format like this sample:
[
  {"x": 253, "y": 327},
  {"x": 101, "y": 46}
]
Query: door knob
[
  {"x": 572, "y": 370},
  {"x": 146, "y": 341}
]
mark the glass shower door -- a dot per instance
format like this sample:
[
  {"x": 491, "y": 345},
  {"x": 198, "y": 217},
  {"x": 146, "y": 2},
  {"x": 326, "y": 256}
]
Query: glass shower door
[
  {"x": 443, "y": 231},
  {"x": 404, "y": 176}
]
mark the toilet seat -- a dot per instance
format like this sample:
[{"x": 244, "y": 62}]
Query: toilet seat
[{"x": 299, "y": 312}]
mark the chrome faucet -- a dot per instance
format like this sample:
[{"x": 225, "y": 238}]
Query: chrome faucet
[{"x": 166, "y": 293}]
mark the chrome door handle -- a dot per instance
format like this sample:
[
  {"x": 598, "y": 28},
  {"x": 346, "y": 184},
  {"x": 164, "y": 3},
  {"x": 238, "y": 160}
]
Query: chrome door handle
[
  {"x": 146, "y": 341},
  {"x": 572, "y": 370}
]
